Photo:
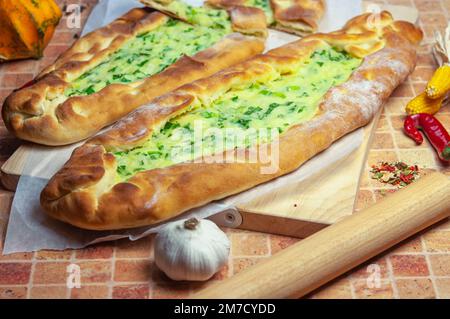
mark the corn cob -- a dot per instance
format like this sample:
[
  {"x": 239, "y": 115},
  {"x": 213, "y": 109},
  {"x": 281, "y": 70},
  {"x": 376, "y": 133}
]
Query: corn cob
[
  {"x": 423, "y": 104},
  {"x": 439, "y": 84}
]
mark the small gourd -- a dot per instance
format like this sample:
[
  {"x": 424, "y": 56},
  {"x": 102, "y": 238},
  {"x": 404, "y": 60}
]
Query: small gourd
[
  {"x": 191, "y": 249},
  {"x": 26, "y": 27}
]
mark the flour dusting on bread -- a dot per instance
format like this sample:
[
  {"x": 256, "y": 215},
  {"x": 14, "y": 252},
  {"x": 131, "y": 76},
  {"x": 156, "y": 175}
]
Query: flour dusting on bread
[{"x": 368, "y": 95}]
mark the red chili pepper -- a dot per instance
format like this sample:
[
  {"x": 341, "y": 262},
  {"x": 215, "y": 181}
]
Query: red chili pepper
[{"x": 433, "y": 129}]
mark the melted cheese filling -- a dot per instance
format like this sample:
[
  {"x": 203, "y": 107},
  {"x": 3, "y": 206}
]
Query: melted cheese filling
[
  {"x": 280, "y": 103},
  {"x": 152, "y": 52}
]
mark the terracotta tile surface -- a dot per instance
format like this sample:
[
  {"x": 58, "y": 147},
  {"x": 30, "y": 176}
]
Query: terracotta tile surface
[
  {"x": 99, "y": 251},
  {"x": 14, "y": 273},
  {"x": 409, "y": 266},
  {"x": 13, "y": 292},
  {"x": 16, "y": 256},
  {"x": 420, "y": 288},
  {"x": 417, "y": 268},
  {"x": 437, "y": 241},
  {"x": 337, "y": 289},
  {"x": 248, "y": 244},
  {"x": 440, "y": 265},
  {"x": 48, "y": 292},
  {"x": 135, "y": 249},
  {"x": 411, "y": 245},
  {"x": 170, "y": 291},
  {"x": 443, "y": 287},
  {"x": 404, "y": 90},
  {"x": 278, "y": 243},
  {"x": 132, "y": 270},
  {"x": 90, "y": 292},
  {"x": 131, "y": 292},
  {"x": 240, "y": 264},
  {"x": 95, "y": 271},
  {"x": 50, "y": 273},
  {"x": 368, "y": 270},
  {"x": 364, "y": 291}
]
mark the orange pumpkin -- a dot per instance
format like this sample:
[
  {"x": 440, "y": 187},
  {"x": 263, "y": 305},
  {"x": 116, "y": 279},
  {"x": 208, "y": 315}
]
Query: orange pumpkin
[{"x": 26, "y": 27}]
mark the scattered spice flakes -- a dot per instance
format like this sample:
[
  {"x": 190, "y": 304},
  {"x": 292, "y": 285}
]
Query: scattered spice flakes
[{"x": 397, "y": 174}]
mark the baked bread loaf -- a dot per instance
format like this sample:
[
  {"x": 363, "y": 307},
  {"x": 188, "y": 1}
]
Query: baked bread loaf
[
  {"x": 111, "y": 71},
  {"x": 300, "y": 17},
  {"x": 245, "y": 19},
  {"x": 313, "y": 91}
]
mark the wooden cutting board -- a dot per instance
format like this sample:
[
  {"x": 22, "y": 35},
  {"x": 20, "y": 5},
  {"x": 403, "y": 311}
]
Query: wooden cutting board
[{"x": 299, "y": 210}]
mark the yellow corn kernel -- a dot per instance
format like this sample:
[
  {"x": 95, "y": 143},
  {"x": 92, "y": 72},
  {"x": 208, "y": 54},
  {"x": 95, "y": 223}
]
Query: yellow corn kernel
[
  {"x": 423, "y": 104},
  {"x": 439, "y": 84}
]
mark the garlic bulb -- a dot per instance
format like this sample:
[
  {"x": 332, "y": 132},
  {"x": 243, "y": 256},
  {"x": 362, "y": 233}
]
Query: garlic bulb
[{"x": 191, "y": 249}]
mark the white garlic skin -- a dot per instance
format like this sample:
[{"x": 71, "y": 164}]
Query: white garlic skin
[{"x": 191, "y": 254}]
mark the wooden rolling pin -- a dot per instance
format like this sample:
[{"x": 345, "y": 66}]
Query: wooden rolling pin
[{"x": 307, "y": 265}]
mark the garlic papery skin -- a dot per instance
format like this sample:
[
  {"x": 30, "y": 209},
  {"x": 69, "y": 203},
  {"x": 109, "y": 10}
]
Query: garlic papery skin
[{"x": 191, "y": 249}]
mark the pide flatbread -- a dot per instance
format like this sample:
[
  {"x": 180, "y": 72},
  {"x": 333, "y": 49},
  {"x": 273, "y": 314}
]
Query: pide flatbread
[
  {"x": 148, "y": 167},
  {"x": 113, "y": 70},
  {"x": 300, "y": 17}
]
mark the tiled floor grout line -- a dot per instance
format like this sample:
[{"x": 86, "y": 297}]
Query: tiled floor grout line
[
  {"x": 30, "y": 282},
  {"x": 430, "y": 269},
  {"x": 113, "y": 270},
  {"x": 151, "y": 288},
  {"x": 352, "y": 288},
  {"x": 73, "y": 261},
  {"x": 394, "y": 141},
  {"x": 392, "y": 278}
]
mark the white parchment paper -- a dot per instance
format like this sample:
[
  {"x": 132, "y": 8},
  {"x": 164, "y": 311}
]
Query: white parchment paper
[{"x": 29, "y": 229}]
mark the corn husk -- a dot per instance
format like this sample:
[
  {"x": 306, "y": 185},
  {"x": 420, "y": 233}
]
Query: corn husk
[{"x": 441, "y": 51}]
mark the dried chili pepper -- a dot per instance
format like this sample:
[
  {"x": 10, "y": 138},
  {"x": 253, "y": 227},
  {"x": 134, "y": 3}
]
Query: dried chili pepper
[
  {"x": 433, "y": 129},
  {"x": 397, "y": 174}
]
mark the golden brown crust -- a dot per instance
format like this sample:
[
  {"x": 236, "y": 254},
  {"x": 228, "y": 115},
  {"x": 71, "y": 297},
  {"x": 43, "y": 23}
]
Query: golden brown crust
[
  {"x": 94, "y": 200},
  {"x": 248, "y": 20},
  {"x": 41, "y": 113},
  {"x": 254, "y": 25},
  {"x": 300, "y": 17}
]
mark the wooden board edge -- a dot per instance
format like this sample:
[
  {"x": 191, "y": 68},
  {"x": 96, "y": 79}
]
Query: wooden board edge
[
  {"x": 374, "y": 124},
  {"x": 277, "y": 225},
  {"x": 8, "y": 176}
]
